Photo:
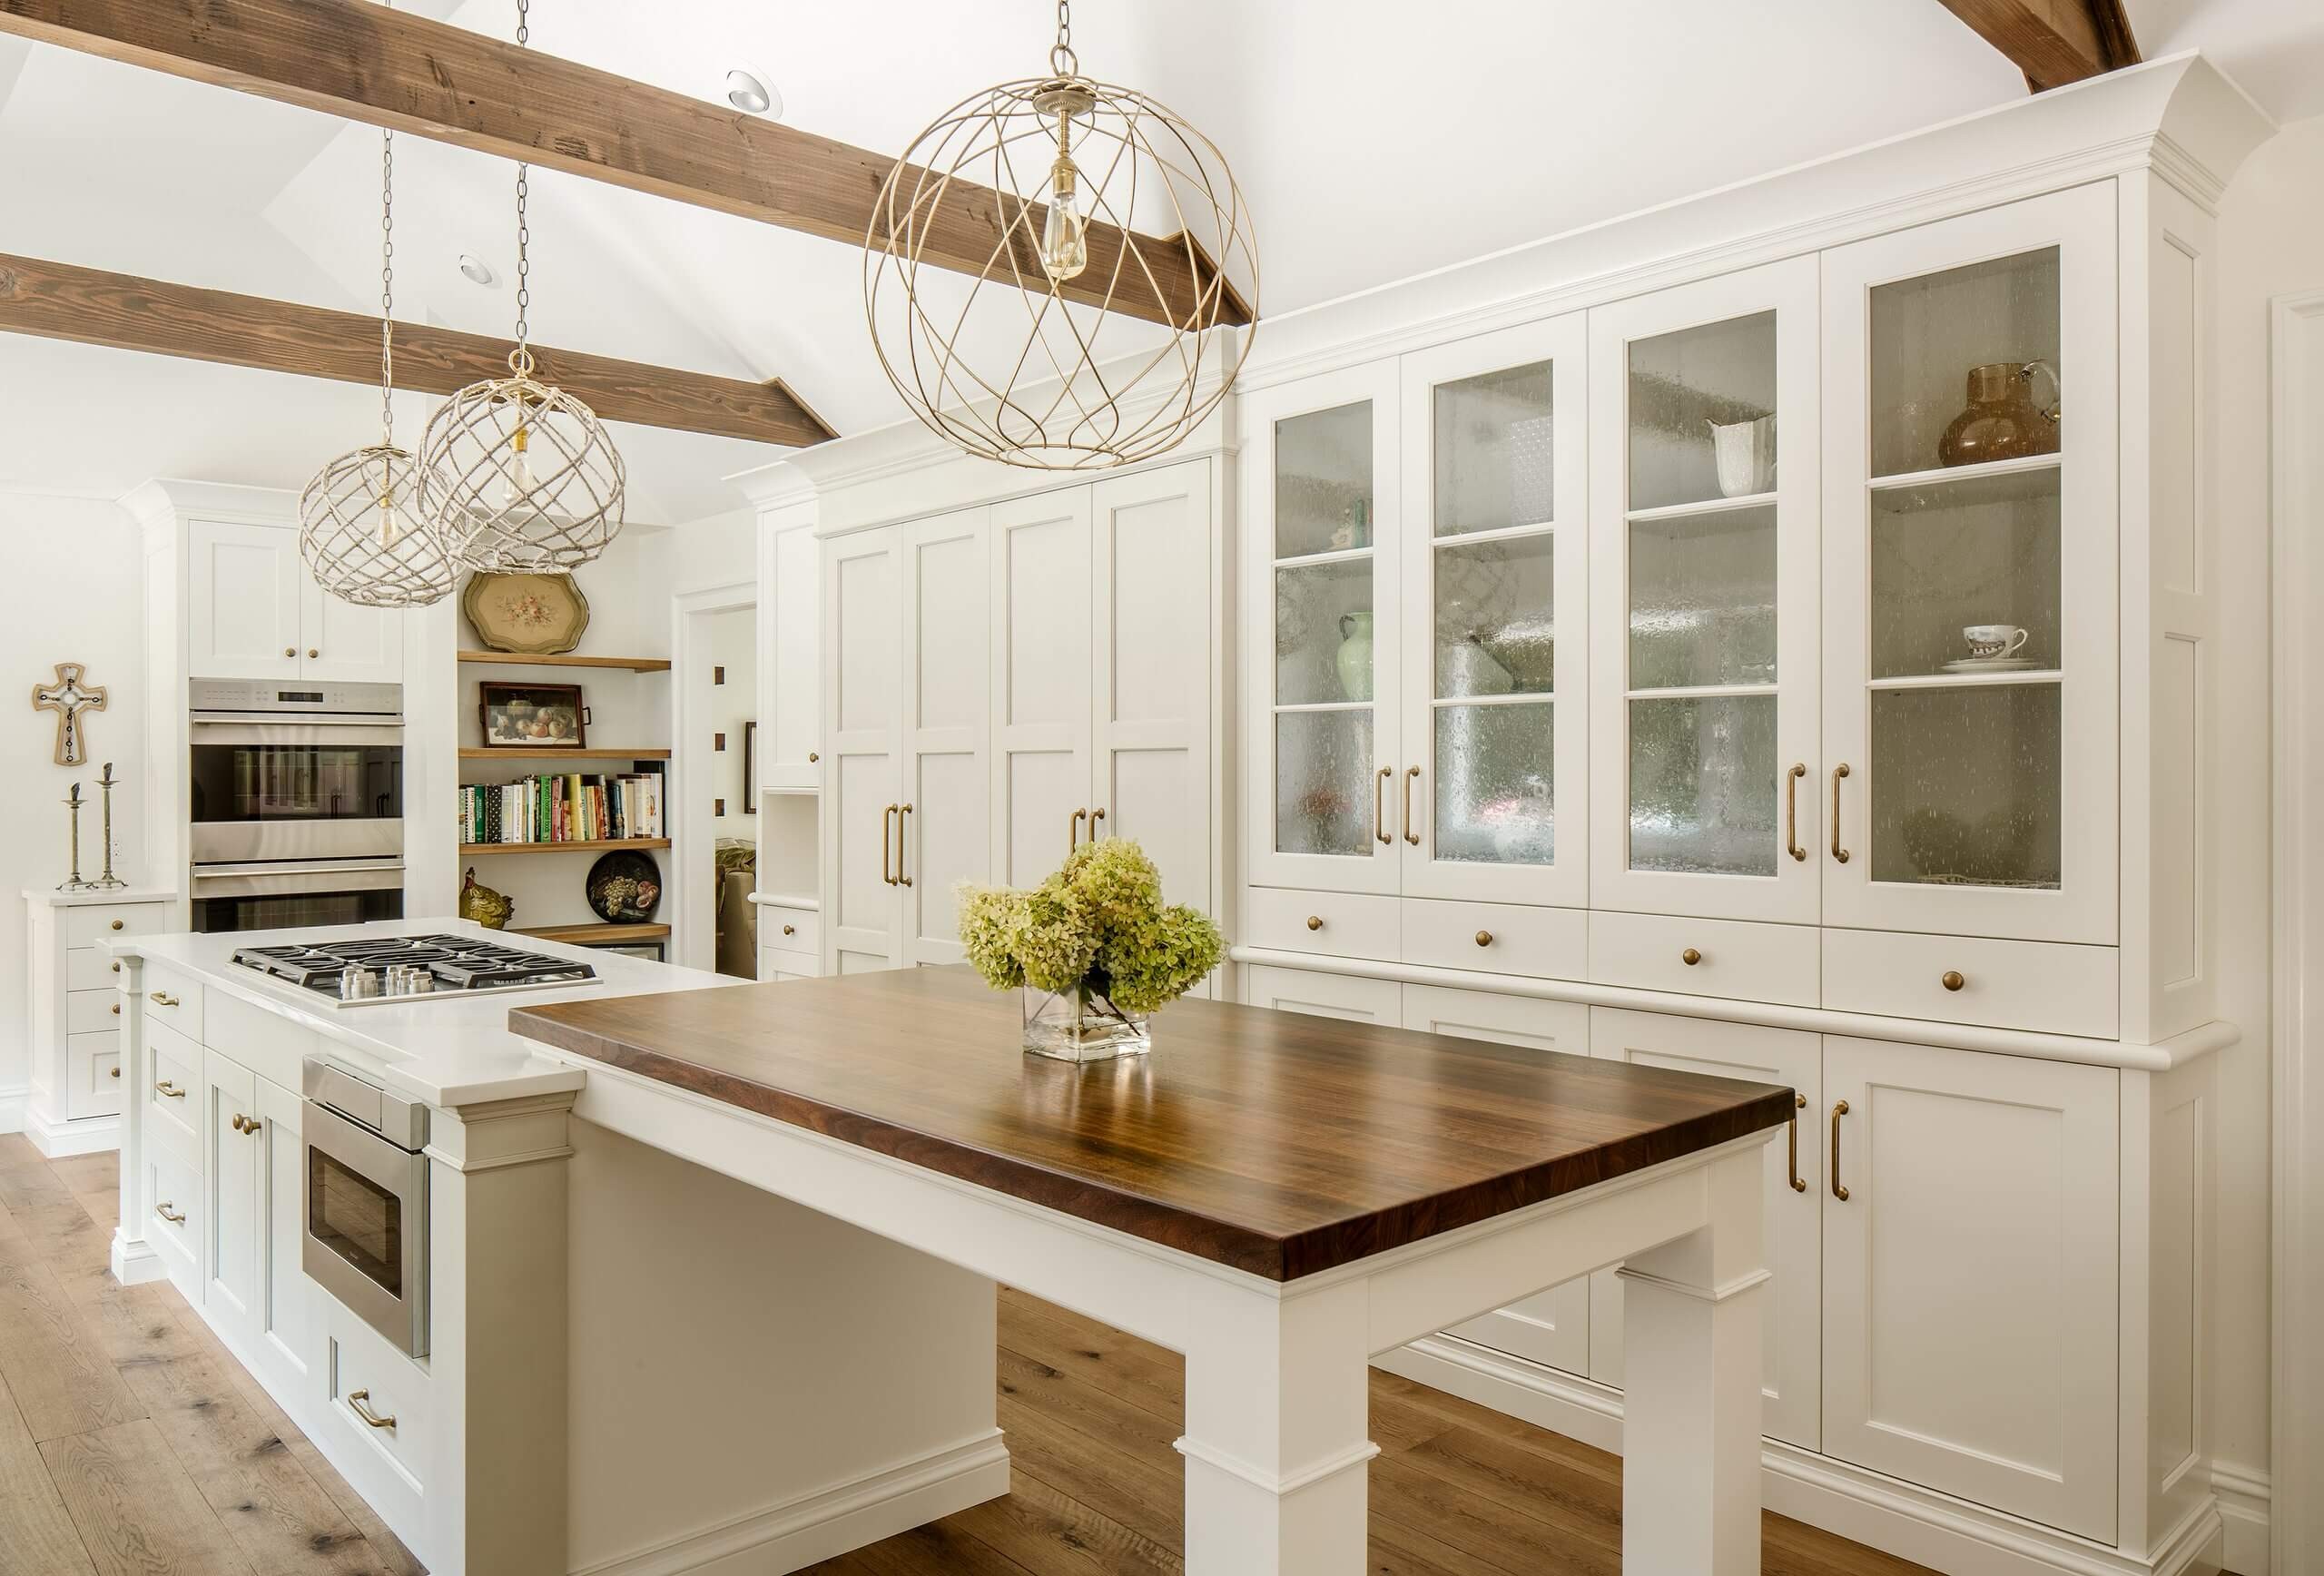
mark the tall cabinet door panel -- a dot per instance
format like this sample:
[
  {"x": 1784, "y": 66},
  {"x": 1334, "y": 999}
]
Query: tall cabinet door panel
[
  {"x": 244, "y": 598},
  {"x": 1970, "y": 1277},
  {"x": 1791, "y": 1321},
  {"x": 1153, "y": 670},
  {"x": 1703, "y": 610},
  {"x": 1971, "y": 648},
  {"x": 1551, "y": 1327},
  {"x": 285, "y": 1314},
  {"x": 862, "y": 751},
  {"x": 944, "y": 825},
  {"x": 347, "y": 643},
  {"x": 231, "y": 1157},
  {"x": 1040, "y": 681},
  {"x": 1495, "y": 595},
  {"x": 1322, "y": 632}
]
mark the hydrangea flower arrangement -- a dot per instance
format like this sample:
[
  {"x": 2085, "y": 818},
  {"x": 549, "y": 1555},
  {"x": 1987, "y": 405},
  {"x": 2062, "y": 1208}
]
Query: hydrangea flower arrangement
[{"x": 1096, "y": 942}]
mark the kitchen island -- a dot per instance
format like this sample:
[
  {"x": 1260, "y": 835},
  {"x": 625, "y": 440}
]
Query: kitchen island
[{"x": 714, "y": 1267}]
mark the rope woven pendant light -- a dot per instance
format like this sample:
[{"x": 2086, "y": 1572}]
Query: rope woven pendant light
[
  {"x": 1004, "y": 364},
  {"x": 360, "y": 529},
  {"x": 518, "y": 474}
]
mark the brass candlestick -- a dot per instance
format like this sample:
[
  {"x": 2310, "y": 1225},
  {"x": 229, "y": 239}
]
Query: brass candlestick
[
  {"x": 107, "y": 881},
  {"x": 73, "y": 883}
]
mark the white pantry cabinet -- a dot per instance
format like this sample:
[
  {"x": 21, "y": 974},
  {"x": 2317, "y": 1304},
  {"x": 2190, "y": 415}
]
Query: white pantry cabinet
[
  {"x": 252, "y": 611},
  {"x": 1864, "y": 507}
]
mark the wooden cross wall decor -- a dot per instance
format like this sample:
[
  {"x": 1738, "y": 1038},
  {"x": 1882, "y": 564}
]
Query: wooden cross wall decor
[{"x": 68, "y": 697}]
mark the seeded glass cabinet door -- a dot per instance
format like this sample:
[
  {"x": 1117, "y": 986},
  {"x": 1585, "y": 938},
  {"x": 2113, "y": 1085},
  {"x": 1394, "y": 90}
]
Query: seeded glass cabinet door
[
  {"x": 1703, "y": 606},
  {"x": 1970, "y": 574},
  {"x": 1493, "y": 599},
  {"x": 1323, "y": 630}
]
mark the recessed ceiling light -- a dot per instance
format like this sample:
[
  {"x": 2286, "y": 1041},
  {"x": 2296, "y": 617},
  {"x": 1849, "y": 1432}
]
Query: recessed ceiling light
[
  {"x": 752, "y": 94},
  {"x": 476, "y": 269}
]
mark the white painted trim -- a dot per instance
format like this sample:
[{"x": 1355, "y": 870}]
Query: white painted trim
[
  {"x": 693, "y": 935},
  {"x": 2296, "y": 1453},
  {"x": 134, "y": 1260},
  {"x": 830, "y": 1522},
  {"x": 1879, "y": 1511},
  {"x": 14, "y": 1101},
  {"x": 2247, "y": 1509},
  {"x": 57, "y": 1140},
  {"x": 2163, "y": 1056},
  {"x": 1288, "y": 1483}
]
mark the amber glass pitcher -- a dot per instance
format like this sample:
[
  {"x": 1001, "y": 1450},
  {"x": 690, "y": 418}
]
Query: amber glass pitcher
[{"x": 2002, "y": 421}]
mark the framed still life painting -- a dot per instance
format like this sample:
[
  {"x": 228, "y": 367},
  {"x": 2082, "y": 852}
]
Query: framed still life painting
[{"x": 538, "y": 718}]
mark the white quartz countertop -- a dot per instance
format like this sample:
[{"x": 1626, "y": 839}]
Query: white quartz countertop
[{"x": 444, "y": 1048}]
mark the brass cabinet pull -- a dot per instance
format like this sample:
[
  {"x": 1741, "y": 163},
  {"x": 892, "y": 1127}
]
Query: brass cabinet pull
[
  {"x": 812, "y": 757},
  {"x": 163, "y": 999},
  {"x": 114, "y": 1073},
  {"x": 1315, "y": 921},
  {"x": 1379, "y": 813},
  {"x": 1073, "y": 832},
  {"x": 250, "y": 1125},
  {"x": 1838, "y": 1192},
  {"x": 312, "y": 653},
  {"x": 1484, "y": 938},
  {"x": 238, "y": 1121},
  {"x": 1095, "y": 816},
  {"x": 1691, "y": 956},
  {"x": 116, "y": 968},
  {"x": 1411, "y": 777},
  {"x": 116, "y": 924},
  {"x": 290, "y": 651},
  {"x": 903, "y": 834},
  {"x": 114, "y": 1009},
  {"x": 886, "y": 846},
  {"x": 1798, "y": 1183},
  {"x": 1953, "y": 978},
  {"x": 166, "y": 1087},
  {"x": 1791, "y": 810},
  {"x": 166, "y": 1213},
  {"x": 1839, "y": 853},
  {"x": 355, "y": 1400},
  {"x": 790, "y": 929}
]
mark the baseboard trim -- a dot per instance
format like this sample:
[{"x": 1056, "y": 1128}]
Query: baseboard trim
[
  {"x": 1897, "y": 1518},
  {"x": 11, "y": 1107},
  {"x": 135, "y": 1263},
  {"x": 60, "y": 1140},
  {"x": 2246, "y": 1505},
  {"x": 830, "y": 1521}
]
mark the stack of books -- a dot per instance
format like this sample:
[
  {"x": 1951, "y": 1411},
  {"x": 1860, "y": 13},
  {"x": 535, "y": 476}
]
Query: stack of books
[{"x": 563, "y": 807}]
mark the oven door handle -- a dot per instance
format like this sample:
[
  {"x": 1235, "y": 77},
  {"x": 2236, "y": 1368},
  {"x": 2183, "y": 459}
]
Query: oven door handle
[{"x": 290, "y": 732}]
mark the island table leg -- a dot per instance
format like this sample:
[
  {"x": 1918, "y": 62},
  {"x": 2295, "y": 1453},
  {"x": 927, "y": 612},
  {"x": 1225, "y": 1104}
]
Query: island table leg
[
  {"x": 1691, "y": 1416},
  {"x": 1277, "y": 1408}
]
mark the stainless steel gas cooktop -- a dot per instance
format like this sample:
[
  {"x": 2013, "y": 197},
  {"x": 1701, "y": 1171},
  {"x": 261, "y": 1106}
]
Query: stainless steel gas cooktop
[{"x": 362, "y": 971}]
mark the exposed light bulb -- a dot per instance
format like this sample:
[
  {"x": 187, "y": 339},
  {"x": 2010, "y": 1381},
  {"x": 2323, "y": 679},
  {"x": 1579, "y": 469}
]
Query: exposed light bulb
[
  {"x": 1065, "y": 233},
  {"x": 391, "y": 527},
  {"x": 520, "y": 471}
]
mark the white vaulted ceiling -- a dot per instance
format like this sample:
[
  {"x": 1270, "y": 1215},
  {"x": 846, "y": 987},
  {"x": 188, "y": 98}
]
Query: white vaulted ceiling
[{"x": 1374, "y": 139}]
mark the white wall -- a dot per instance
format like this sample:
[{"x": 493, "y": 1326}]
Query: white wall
[
  {"x": 716, "y": 550},
  {"x": 2272, "y": 242},
  {"x": 74, "y": 563},
  {"x": 733, "y": 647}
]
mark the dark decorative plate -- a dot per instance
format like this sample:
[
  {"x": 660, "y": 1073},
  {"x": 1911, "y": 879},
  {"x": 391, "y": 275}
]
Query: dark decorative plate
[{"x": 625, "y": 886}]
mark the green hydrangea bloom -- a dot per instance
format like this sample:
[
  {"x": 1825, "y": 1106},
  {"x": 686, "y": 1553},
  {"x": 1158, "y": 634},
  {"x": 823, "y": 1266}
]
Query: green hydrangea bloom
[{"x": 1097, "y": 925}]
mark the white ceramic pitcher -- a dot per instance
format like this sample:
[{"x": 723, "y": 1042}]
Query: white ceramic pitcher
[{"x": 1745, "y": 454}]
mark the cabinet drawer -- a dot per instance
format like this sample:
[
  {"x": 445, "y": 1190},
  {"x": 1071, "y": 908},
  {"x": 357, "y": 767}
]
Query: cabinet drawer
[
  {"x": 1500, "y": 938},
  {"x": 170, "y": 1116},
  {"x": 101, "y": 921},
  {"x": 92, "y": 1074},
  {"x": 774, "y": 963},
  {"x": 1753, "y": 962},
  {"x": 1345, "y": 924},
  {"x": 173, "y": 999},
  {"x": 173, "y": 1218},
  {"x": 2047, "y": 986},
  {"x": 86, "y": 969},
  {"x": 1359, "y": 1001},
  {"x": 90, "y": 1011},
  {"x": 790, "y": 929},
  {"x": 390, "y": 1460}
]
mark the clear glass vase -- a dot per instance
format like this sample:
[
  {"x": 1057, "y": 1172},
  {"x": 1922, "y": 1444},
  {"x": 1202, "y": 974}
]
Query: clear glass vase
[{"x": 1082, "y": 1025}]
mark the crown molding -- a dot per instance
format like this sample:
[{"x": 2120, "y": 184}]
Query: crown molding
[{"x": 164, "y": 500}]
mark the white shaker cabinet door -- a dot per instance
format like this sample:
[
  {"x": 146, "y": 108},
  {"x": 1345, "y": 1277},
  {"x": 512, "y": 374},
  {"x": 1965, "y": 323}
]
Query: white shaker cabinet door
[
  {"x": 285, "y": 1322},
  {"x": 245, "y": 601},
  {"x": 347, "y": 643},
  {"x": 1551, "y": 1327},
  {"x": 791, "y": 701},
  {"x": 944, "y": 824},
  {"x": 863, "y": 771},
  {"x": 1040, "y": 683},
  {"x": 1971, "y": 1231},
  {"x": 1790, "y": 1322},
  {"x": 231, "y": 1157},
  {"x": 1347, "y": 996}
]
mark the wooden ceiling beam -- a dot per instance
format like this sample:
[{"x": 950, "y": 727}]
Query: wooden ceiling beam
[
  {"x": 2054, "y": 41},
  {"x": 87, "y": 306},
  {"x": 362, "y": 62}
]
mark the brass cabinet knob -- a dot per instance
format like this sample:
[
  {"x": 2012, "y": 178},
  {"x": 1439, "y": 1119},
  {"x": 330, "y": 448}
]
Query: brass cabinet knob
[
  {"x": 790, "y": 929},
  {"x": 1315, "y": 921},
  {"x": 812, "y": 757},
  {"x": 116, "y": 968},
  {"x": 116, "y": 924},
  {"x": 312, "y": 653},
  {"x": 115, "y": 1009},
  {"x": 1691, "y": 956},
  {"x": 116, "y": 1073},
  {"x": 1484, "y": 938},
  {"x": 1953, "y": 979},
  {"x": 290, "y": 651}
]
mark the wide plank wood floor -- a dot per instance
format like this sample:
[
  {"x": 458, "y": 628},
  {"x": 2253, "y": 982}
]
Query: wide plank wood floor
[{"x": 131, "y": 1442}]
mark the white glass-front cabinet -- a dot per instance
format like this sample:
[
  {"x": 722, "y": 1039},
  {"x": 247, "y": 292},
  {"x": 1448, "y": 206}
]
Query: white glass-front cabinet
[
  {"x": 1703, "y": 574},
  {"x": 1970, "y": 640}
]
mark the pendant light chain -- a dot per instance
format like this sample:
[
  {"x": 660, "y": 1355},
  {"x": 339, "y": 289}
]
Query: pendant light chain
[
  {"x": 386, "y": 290},
  {"x": 521, "y": 360},
  {"x": 1063, "y": 60}
]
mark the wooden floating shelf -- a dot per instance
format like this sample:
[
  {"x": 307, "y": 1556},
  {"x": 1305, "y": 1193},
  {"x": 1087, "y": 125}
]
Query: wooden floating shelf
[
  {"x": 481, "y": 753},
  {"x": 567, "y": 659},
  {"x": 591, "y": 847},
  {"x": 593, "y": 935}
]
